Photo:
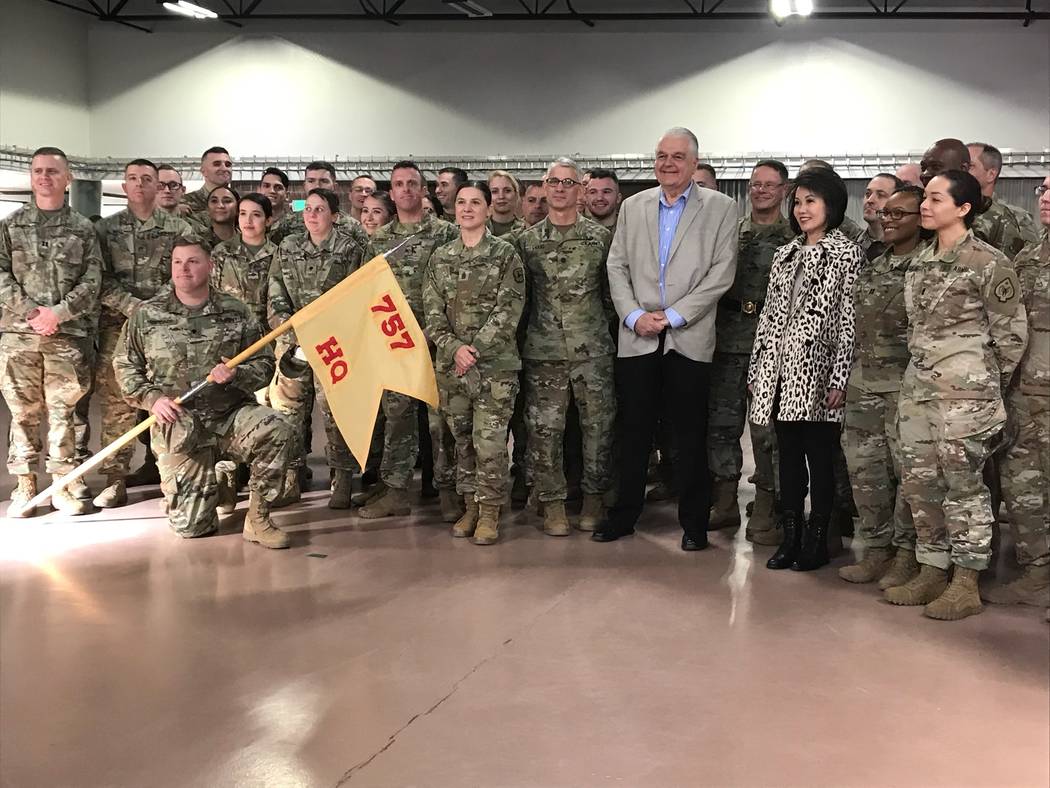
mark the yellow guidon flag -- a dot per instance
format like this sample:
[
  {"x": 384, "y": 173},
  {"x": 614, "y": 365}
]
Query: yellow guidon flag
[{"x": 360, "y": 338}]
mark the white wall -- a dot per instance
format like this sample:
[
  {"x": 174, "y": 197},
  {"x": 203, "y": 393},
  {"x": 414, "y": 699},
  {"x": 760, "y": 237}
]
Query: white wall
[
  {"x": 43, "y": 77},
  {"x": 813, "y": 88}
]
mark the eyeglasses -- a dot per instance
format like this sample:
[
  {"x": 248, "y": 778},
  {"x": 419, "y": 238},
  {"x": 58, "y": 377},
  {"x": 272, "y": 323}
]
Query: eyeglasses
[
  {"x": 1040, "y": 191},
  {"x": 765, "y": 187},
  {"x": 895, "y": 214},
  {"x": 365, "y": 189},
  {"x": 568, "y": 183},
  {"x": 171, "y": 186}
]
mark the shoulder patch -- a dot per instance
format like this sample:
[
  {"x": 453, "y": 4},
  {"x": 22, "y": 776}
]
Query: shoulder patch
[
  {"x": 1005, "y": 290},
  {"x": 519, "y": 275}
]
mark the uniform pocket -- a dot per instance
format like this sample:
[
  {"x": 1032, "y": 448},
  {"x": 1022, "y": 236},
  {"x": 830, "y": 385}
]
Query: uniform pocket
[{"x": 965, "y": 418}]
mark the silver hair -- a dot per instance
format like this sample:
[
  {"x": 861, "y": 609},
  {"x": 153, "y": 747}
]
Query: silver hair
[
  {"x": 682, "y": 131},
  {"x": 564, "y": 161}
]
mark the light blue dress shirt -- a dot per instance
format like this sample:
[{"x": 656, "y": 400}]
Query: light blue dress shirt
[{"x": 670, "y": 216}]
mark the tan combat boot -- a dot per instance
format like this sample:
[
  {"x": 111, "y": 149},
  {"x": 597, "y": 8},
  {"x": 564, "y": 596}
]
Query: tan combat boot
[
  {"x": 487, "y": 531},
  {"x": 79, "y": 490},
  {"x": 366, "y": 497},
  {"x": 113, "y": 495},
  {"x": 290, "y": 490},
  {"x": 451, "y": 506},
  {"x": 903, "y": 569},
  {"x": 762, "y": 524},
  {"x": 226, "y": 476},
  {"x": 21, "y": 495},
  {"x": 555, "y": 523},
  {"x": 921, "y": 589},
  {"x": 392, "y": 503},
  {"x": 960, "y": 600},
  {"x": 63, "y": 501},
  {"x": 466, "y": 524},
  {"x": 593, "y": 512},
  {"x": 342, "y": 487},
  {"x": 870, "y": 568},
  {"x": 259, "y": 528},
  {"x": 725, "y": 510},
  {"x": 1031, "y": 588}
]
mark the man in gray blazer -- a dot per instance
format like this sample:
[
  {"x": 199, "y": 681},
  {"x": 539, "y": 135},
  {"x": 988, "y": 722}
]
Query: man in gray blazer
[{"x": 672, "y": 258}]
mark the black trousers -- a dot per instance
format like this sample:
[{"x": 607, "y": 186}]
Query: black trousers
[
  {"x": 673, "y": 387},
  {"x": 803, "y": 444}
]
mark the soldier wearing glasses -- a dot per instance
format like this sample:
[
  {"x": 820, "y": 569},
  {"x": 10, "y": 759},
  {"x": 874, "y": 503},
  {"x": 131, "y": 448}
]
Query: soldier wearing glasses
[
  {"x": 568, "y": 348},
  {"x": 759, "y": 235},
  {"x": 170, "y": 189}
]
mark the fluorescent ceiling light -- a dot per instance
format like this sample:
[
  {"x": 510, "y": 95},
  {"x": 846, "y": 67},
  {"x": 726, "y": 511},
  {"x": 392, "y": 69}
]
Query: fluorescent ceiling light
[
  {"x": 468, "y": 7},
  {"x": 780, "y": 9},
  {"x": 191, "y": 10}
]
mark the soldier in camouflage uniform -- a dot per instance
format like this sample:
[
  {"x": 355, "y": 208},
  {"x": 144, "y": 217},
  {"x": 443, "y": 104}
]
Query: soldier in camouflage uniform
[
  {"x": 219, "y": 222},
  {"x": 304, "y": 267},
  {"x": 1004, "y": 226},
  {"x": 474, "y": 295},
  {"x": 870, "y": 440},
  {"x": 568, "y": 348},
  {"x": 1026, "y": 465},
  {"x": 400, "y": 443},
  {"x": 136, "y": 264},
  {"x": 759, "y": 235},
  {"x": 317, "y": 175},
  {"x": 171, "y": 342},
  {"x": 967, "y": 333},
  {"x": 50, "y": 274},
  {"x": 217, "y": 169},
  {"x": 241, "y": 266},
  {"x": 505, "y": 193}
]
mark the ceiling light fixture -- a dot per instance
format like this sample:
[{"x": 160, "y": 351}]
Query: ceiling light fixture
[
  {"x": 468, "y": 7},
  {"x": 191, "y": 10},
  {"x": 781, "y": 9}
]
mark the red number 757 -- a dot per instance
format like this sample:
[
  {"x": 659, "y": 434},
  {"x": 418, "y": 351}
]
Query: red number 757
[{"x": 393, "y": 324}]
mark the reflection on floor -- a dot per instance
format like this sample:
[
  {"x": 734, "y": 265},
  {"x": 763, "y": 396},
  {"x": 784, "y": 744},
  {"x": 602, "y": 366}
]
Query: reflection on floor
[{"x": 388, "y": 654}]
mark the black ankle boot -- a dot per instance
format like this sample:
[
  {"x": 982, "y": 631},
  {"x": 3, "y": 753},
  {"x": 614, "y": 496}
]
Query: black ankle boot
[
  {"x": 789, "y": 548},
  {"x": 814, "y": 553}
]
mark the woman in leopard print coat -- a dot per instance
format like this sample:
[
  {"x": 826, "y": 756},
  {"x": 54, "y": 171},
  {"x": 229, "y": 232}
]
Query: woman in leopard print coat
[{"x": 801, "y": 361}]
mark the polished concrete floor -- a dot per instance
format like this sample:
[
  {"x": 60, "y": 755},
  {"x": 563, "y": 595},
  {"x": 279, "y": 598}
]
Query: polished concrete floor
[{"x": 389, "y": 654}]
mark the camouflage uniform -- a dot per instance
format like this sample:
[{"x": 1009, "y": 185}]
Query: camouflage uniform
[
  {"x": 1026, "y": 465},
  {"x": 401, "y": 440},
  {"x": 568, "y": 347},
  {"x": 1001, "y": 227},
  {"x": 166, "y": 347},
  {"x": 47, "y": 259},
  {"x": 292, "y": 224},
  {"x": 136, "y": 265},
  {"x": 197, "y": 202},
  {"x": 475, "y": 297},
  {"x": 300, "y": 273},
  {"x": 870, "y": 440},
  {"x": 500, "y": 229},
  {"x": 967, "y": 333},
  {"x": 244, "y": 274},
  {"x": 856, "y": 233},
  {"x": 736, "y": 322}
]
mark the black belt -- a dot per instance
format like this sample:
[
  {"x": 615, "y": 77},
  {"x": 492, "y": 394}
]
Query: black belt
[{"x": 747, "y": 307}]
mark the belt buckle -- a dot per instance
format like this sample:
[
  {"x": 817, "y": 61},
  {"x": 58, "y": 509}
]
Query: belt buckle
[{"x": 749, "y": 307}]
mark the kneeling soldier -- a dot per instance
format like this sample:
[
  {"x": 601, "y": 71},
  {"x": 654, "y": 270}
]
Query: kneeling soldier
[{"x": 172, "y": 341}]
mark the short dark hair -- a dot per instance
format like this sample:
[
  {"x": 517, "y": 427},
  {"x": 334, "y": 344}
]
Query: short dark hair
[
  {"x": 321, "y": 165},
  {"x": 214, "y": 149},
  {"x": 600, "y": 172},
  {"x": 191, "y": 240},
  {"x": 261, "y": 200},
  {"x": 708, "y": 168},
  {"x": 991, "y": 157},
  {"x": 383, "y": 197},
  {"x": 408, "y": 164},
  {"x": 356, "y": 178},
  {"x": 48, "y": 150},
  {"x": 281, "y": 174},
  {"x": 773, "y": 164},
  {"x": 165, "y": 166},
  {"x": 897, "y": 182},
  {"x": 328, "y": 196},
  {"x": 533, "y": 185},
  {"x": 141, "y": 163},
  {"x": 830, "y": 188},
  {"x": 912, "y": 191},
  {"x": 481, "y": 186},
  {"x": 964, "y": 188},
  {"x": 459, "y": 176}
]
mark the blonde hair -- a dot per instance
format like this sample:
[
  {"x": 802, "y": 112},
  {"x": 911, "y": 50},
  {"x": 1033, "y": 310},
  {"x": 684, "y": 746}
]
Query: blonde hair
[{"x": 504, "y": 174}]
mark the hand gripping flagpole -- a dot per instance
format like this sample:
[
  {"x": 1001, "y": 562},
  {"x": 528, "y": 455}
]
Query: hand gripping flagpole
[{"x": 145, "y": 424}]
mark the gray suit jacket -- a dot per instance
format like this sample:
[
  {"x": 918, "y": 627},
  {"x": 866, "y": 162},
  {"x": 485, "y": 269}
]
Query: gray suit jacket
[{"x": 699, "y": 271}]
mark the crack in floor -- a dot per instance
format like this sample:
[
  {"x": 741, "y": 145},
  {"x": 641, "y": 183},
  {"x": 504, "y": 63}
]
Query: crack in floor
[{"x": 455, "y": 686}]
